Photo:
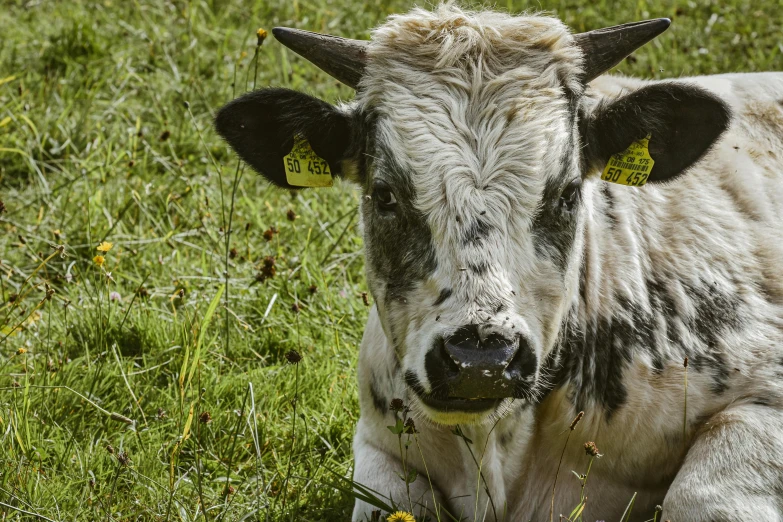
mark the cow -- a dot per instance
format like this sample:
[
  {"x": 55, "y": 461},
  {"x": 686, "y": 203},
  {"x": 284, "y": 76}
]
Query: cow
[{"x": 525, "y": 304}]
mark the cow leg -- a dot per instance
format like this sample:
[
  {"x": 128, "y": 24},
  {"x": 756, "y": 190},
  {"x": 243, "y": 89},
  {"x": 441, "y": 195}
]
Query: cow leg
[
  {"x": 733, "y": 471},
  {"x": 377, "y": 470}
]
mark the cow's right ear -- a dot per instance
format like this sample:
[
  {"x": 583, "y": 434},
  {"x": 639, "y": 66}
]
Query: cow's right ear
[{"x": 261, "y": 126}]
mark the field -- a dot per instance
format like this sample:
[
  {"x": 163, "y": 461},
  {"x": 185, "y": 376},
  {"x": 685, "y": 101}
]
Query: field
[{"x": 155, "y": 386}]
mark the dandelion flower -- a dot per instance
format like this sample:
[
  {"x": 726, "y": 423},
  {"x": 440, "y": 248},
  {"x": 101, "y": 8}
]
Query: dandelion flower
[
  {"x": 105, "y": 247},
  {"x": 401, "y": 516},
  {"x": 20, "y": 351},
  {"x": 99, "y": 260}
]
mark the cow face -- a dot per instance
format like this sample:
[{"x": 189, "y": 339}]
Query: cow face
[{"x": 473, "y": 144}]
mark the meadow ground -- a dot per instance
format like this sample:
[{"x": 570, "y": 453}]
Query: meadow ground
[{"x": 123, "y": 393}]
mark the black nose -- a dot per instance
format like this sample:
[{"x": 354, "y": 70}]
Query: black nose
[{"x": 465, "y": 366}]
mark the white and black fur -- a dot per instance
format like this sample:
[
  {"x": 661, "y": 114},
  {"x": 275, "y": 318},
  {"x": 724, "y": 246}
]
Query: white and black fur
[{"x": 480, "y": 128}]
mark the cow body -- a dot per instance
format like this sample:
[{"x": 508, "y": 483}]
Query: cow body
[
  {"x": 690, "y": 269},
  {"x": 515, "y": 289}
]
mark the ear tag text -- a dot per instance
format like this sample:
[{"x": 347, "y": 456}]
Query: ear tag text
[
  {"x": 631, "y": 167},
  {"x": 304, "y": 168}
]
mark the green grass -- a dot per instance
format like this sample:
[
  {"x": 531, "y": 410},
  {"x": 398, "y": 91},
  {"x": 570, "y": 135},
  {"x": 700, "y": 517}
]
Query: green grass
[{"x": 96, "y": 144}]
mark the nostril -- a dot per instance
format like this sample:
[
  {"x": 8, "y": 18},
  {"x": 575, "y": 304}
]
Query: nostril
[
  {"x": 523, "y": 363},
  {"x": 452, "y": 363}
]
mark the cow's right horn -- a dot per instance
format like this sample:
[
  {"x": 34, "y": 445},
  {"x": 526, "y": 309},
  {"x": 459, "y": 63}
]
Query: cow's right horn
[
  {"x": 342, "y": 58},
  {"x": 605, "y": 48}
]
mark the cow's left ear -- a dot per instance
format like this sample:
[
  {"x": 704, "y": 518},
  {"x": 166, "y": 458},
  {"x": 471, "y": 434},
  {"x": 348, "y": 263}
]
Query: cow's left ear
[
  {"x": 262, "y": 127},
  {"x": 683, "y": 121}
]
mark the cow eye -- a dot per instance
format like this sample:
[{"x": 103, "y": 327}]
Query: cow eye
[
  {"x": 570, "y": 195},
  {"x": 383, "y": 196}
]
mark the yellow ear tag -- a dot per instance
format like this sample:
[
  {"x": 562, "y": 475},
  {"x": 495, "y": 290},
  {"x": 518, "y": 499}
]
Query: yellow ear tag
[
  {"x": 631, "y": 167},
  {"x": 304, "y": 168}
]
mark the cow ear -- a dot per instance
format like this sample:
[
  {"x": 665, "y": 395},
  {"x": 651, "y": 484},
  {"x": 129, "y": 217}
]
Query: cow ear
[
  {"x": 261, "y": 126},
  {"x": 683, "y": 122}
]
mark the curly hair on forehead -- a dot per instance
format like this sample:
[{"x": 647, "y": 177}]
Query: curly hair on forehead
[{"x": 450, "y": 36}]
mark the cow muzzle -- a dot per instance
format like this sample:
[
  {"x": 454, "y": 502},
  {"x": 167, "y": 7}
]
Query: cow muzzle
[{"x": 470, "y": 373}]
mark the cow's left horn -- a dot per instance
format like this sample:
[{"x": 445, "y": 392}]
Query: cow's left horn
[
  {"x": 342, "y": 58},
  {"x": 605, "y": 48}
]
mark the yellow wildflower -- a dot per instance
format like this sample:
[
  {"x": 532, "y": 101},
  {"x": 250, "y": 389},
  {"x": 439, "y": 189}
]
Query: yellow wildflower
[
  {"x": 261, "y": 36},
  {"x": 105, "y": 247},
  {"x": 401, "y": 516},
  {"x": 99, "y": 260},
  {"x": 20, "y": 351}
]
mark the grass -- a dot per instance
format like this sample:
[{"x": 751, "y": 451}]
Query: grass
[{"x": 156, "y": 387}]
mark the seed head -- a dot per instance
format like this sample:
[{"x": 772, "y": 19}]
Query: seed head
[
  {"x": 576, "y": 420},
  {"x": 685, "y": 363},
  {"x": 592, "y": 450},
  {"x": 293, "y": 357},
  {"x": 161, "y": 414},
  {"x": 296, "y": 308},
  {"x": 205, "y": 418},
  {"x": 410, "y": 426},
  {"x": 396, "y": 405},
  {"x": 291, "y": 215},
  {"x": 232, "y": 253},
  {"x": 165, "y": 135},
  {"x": 269, "y": 234},
  {"x": 2, "y": 207},
  {"x": 365, "y": 299},
  {"x": 123, "y": 458},
  {"x": 187, "y": 105},
  {"x": 312, "y": 289},
  {"x": 268, "y": 270},
  {"x": 110, "y": 449}
]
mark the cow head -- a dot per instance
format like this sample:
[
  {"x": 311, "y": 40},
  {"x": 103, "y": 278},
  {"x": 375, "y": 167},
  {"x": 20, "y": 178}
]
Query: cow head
[{"x": 476, "y": 149}]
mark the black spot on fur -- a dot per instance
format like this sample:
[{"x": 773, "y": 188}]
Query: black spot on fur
[
  {"x": 554, "y": 228},
  {"x": 476, "y": 232},
  {"x": 478, "y": 268},
  {"x": 399, "y": 247},
  {"x": 609, "y": 208},
  {"x": 444, "y": 294},
  {"x": 716, "y": 312},
  {"x": 504, "y": 439},
  {"x": 378, "y": 400},
  {"x": 594, "y": 356}
]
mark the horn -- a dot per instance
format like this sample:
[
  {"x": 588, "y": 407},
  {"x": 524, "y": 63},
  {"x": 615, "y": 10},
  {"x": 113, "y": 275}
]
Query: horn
[
  {"x": 341, "y": 58},
  {"x": 605, "y": 48}
]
